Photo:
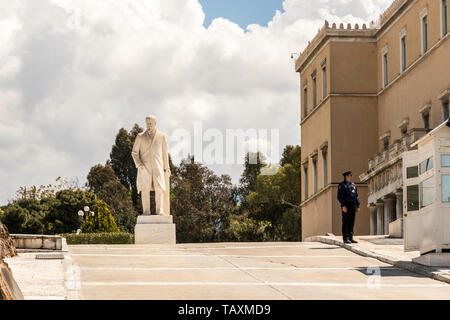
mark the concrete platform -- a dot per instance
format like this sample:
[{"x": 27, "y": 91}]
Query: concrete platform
[
  {"x": 47, "y": 279},
  {"x": 434, "y": 260},
  {"x": 243, "y": 271},
  {"x": 390, "y": 251}
]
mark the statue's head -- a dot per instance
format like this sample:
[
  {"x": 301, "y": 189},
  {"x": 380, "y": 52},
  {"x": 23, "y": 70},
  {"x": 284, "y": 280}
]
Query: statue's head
[{"x": 151, "y": 123}]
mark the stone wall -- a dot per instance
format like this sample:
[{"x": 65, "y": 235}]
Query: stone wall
[{"x": 7, "y": 248}]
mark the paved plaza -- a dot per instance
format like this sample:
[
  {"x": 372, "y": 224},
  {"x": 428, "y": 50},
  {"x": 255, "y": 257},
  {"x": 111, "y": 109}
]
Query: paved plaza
[{"x": 254, "y": 271}]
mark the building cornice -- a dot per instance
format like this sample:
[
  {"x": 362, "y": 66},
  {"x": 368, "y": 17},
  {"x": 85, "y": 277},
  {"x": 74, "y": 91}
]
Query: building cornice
[{"x": 330, "y": 95}]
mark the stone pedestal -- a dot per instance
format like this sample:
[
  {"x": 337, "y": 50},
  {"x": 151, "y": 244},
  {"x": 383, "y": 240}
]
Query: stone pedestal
[
  {"x": 434, "y": 260},
  {"x": 155, "y": 230}
]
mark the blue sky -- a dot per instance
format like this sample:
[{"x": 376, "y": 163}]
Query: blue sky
[{"x": 242, "y": 12}]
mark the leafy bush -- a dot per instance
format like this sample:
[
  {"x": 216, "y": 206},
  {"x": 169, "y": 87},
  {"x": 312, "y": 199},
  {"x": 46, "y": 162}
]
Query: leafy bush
[
  {"x": 63, "y": 212},
  {"x": 99, "y": 238},
  {"x": 247, "y": 229},
  {"x": 291, "y": 224},
  {"x": 55, "y": 214},
  {"x": 104, "y": 183},
  {"x": 102, "y": 222}
]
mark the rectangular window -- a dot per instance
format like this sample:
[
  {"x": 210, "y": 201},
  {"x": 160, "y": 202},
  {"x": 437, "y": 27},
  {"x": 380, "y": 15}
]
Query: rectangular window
[
  {"x": 385, "y": 70},
  {"x": 403, "y": 53},
  {"x": 426, "y": 166},
  {"x": 444, "y": 17},
  {"x": 324, "y": 82},
  {"x": 426, "y": 120},
  {"x": 314, "y": 176},
  {"x": 325, "y": 169},
  {"x": 314, "y": 89},
  {"x": 427, "y": 192},
  {"x": 305, "y": 101},
  {"x": 445, "y": 110},
  {"x": 386, "y": 144},
  {"x": 446, "y": 188},
  {"x": 412, "y": 172},
  {"x": 306, "y": 182},
  {"x": 424, "y": 34},
  {"x": 445, "y": 160},
  {"x": 412, "y": 194}
]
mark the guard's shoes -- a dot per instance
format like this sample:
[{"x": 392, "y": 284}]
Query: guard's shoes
[
  {"x": 346, "y": 241},
  {"x": 353, "y": 241}
]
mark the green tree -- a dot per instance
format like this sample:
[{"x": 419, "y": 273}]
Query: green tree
[
  {"x": 25, "y": 216},
  {"x": 254, "y": 162},
  {"x": 101, "y": 222},
  {"x": 63, "y": 213},
  {"x": 122, "y": 162},
  {"x": 103, "y": 182},
  {"x": 201, "y": 203},
  {"x": 14, "y": 217},
  {"x": 245, "y": 229},
  {"x": 274, "y": 200}
]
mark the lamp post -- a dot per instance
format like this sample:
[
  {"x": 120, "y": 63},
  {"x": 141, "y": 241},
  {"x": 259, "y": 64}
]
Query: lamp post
[{"x": 82, "y": 214}]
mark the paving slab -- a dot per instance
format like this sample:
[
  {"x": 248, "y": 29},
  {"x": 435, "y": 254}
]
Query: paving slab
[
  {"x": 38, "y": 279},
  {"x": 388, "y": 250},
  {"x": 244, "y": 271}
]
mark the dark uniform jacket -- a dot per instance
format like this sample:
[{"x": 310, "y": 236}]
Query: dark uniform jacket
[{"x": 348, "y": 195}]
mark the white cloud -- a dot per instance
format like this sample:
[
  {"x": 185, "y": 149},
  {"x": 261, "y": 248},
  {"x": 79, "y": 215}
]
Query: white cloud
[{"x": 72, "y": 72}]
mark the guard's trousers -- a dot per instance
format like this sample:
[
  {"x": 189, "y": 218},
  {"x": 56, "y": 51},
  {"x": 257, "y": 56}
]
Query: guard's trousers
[{"x": 348, "y": 223}]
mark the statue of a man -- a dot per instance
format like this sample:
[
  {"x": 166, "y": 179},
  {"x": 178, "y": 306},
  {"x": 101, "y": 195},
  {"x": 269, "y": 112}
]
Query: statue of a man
[{"x": 152, "y": 160}]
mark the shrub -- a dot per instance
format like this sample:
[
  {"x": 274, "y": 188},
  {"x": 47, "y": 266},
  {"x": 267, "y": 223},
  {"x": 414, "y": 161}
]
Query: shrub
[
  {"x": 291, "y": 224},
  {"x": 247, "y": 229},
  {"x": 99, "y": 238},
  {"x": 62, "y": 216},
  {"x": 102, "y": 222}
]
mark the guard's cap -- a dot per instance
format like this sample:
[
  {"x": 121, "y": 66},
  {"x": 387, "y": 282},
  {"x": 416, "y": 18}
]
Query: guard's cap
[{"x": 347, "y": 173}]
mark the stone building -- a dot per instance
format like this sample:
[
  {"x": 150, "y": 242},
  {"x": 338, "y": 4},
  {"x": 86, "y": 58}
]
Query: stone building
[{"x": 367, "y": 94}]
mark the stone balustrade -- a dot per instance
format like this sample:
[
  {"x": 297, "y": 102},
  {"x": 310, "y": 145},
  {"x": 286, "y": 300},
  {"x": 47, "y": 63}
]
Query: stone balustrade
[{"x": 37, "y": 242}]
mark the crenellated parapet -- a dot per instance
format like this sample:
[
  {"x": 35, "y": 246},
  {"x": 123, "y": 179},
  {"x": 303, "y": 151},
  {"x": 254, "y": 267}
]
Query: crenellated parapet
[
  {"x": 391, "y": 11},
  {"x": 332, "y": 30}
]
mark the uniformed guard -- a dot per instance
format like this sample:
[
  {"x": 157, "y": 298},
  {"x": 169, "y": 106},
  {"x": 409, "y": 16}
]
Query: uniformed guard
[{"x": 350, "y": 205}]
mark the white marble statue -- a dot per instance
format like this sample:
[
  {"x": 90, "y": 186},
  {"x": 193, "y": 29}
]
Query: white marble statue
[{"x": 152, "y": 160}]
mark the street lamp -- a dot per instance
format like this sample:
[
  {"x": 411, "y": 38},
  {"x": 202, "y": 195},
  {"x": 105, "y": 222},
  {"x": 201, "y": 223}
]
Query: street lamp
[{"x": 82, "y": 214}]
